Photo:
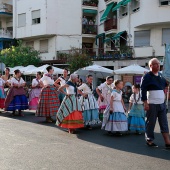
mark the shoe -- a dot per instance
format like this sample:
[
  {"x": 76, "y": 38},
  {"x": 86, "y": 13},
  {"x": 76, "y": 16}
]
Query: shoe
[
  {"x": 48, "y": 120},
  {"x": 89, "y": 127},
  {"x": 110, "y": 133},
  {"x": 118, "y": 134},
  {"x": 52, "y": 119},
  {"x": 167, "y": 146},
  {"x": 152, "y": 145}
]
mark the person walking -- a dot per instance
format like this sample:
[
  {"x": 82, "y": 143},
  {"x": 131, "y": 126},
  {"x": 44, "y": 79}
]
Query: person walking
[{"x": 152, "y": 93}]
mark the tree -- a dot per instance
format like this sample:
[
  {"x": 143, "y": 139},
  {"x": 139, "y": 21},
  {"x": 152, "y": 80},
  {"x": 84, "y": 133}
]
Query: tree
[
  {"x": 78, "y": 59},
  {"x": 20, "y": 56}
]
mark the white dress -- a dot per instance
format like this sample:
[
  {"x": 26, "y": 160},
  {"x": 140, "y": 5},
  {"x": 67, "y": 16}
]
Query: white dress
[
  {"x": 106, "y": 91},
  {"x": 117, "y": 120}
]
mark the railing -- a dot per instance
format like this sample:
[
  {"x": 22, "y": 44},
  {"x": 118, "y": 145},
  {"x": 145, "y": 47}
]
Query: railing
[
  {"x": 93, "y": 3},
  {"x": 98, "y": 54},
  {"x": 110, "y": 24},
  {"x": 6, "y": 8},
  {"x": 6, "y": 33},
  {"x": 89, "y": 29}
]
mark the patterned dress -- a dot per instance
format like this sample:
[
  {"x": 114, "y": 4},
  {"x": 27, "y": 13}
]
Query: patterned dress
[
  {"x": 34, "y": 95},
  {"x": 2, "y": 93},
  {"x": 62, "y": 83},
  {"x": 48, "y": 102},
  {"x": 136, "y": 116},
  {"x": 117, "y": 120},
  {"x": 106, "y": 91},
  {"x": 70, "y": 112},
  {"x": 90, "y": 105}
]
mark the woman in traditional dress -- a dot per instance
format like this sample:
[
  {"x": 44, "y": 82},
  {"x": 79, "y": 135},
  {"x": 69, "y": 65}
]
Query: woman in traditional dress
[
  {"x": 136, "y": 116},
  {"x": 104, "y": 92},
  {"x": 6, "y": 77},
  {"x": 48, "y": 101},
  {"x": 2, "y": 94},
  {"x": 117, "y": 120},
  {"x": 70, "y": 112},
  {"x": 16, "y": 98},
  {"x": 89, "y": 103},
  {"x": 35, "y": 92},
  {"x": 62, "y": 80}
]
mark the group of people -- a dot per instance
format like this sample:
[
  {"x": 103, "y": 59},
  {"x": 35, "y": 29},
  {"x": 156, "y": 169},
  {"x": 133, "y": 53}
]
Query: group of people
[{"x": 75, "y": 106}]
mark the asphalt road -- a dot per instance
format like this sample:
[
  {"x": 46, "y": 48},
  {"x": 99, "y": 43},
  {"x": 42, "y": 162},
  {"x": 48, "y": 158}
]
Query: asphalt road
[{"x": 28, "y": 143}]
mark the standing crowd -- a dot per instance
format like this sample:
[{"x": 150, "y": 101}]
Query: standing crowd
[{"x": 75, "y": 106}]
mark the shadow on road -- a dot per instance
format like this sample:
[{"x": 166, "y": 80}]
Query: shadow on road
[{"x": 131, "y": 143}]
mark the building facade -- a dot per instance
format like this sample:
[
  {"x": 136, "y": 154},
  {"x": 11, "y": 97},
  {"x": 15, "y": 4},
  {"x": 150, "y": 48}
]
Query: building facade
[
  {"x": 6, "y": 24},
  {"x": 114, "y": 33}
]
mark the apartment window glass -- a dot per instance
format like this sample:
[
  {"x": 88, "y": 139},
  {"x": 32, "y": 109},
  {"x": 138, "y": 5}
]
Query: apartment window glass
[
  {"x": 30, "y": 44},
  {"x": 142, "y": 38},
  {"x": 164, "y": 2},
  {"x": 166, "y": 35},
  {"x": 22, "y": 20},
  {"x": 36, "y": 17},
  {"x": 123, "y": 11},
  {"x": 44, "y": 46}
]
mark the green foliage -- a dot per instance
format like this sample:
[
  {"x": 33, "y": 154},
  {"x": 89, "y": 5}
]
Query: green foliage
[
  {"x": 78, "y": 59},
  {"x": 20, "y": 56}
]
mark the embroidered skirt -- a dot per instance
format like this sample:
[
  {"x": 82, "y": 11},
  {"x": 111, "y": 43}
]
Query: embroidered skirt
[{"x": 2, "y": 97}]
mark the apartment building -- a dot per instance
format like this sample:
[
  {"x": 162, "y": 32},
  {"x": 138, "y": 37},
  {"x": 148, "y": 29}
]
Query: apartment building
[
  {"x": 6, "y": 24},
  {"x": 143, "y": 27}
]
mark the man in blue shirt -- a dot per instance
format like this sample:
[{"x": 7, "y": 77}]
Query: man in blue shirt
[{"x": 152, "y": 93}]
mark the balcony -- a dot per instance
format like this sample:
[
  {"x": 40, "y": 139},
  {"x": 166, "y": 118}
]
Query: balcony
[
  {"x": 98, "y": 54},
  {"x": 91, "y": 3},
  {"x": 89, "y": 29},
  {"x": 6, "y": 33},
  {"x": 110, "y": 24},
  {"x": 6, "y": 9}
]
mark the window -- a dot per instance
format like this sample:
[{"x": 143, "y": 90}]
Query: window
[
  {"x": 30, "y": 44},
  {"x": 44, "y": 46},
  {"x": 142, "y": 38},
  {"x": 36, "y": 17},
  {"x": 22, "y": 20},
  {"x": 164, "y": 2},
  {"x": 166, "y": 35},
  {"x": 135, "y": 5}
]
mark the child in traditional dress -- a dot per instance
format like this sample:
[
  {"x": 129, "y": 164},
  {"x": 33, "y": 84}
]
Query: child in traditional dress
[
  {"x": 89, "y": 103},
  {"x": 136, "y": 116},
  {"x": 70, "y": 112},
  {"x": 104, "y": 92},
  {"x": 35, "y": 92},
  {"x": 117, "y": 120}
]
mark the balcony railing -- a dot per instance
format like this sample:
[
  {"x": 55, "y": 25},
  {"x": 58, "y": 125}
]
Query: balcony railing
[
  {"x": 98, "y": 54},
  {"x": 93, "y": 3},
  {"x": 5, "y": 33},
  {"x": 6, "y": 8},
  {"x": 110, "y": 24},
  {"x": 89, "y": 29}
]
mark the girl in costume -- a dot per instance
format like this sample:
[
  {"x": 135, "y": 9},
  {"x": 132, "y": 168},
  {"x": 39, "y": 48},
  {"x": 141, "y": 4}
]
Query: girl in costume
[
  {"x": 48, "y": 101},
  {"x": 70, "y": 112},
  {"x": 35, "y": 92},
  {"x": 117, "y": 120},
  {"x": 62, "y": 80},
  {"x": 16, "y": 98},
  {"x": 89, "y": 103},
  {"x": 136, "y": 116},
  {"x": 104, "y": 92}
]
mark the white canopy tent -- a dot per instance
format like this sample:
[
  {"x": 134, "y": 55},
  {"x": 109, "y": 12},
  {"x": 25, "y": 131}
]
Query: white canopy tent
[
  {"x": 132, "y": 69},
  {"x": 95, "y": 70},
  {"x": 15, "y": 68},
  {"x": 26, "y": 70},
  {"x": 43, "y": 70}
]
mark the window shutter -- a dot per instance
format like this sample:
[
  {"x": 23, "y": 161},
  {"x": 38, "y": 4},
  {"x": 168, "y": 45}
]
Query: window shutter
[
  {"x": 30, "y": 44},
  {"x": 35, "y": 14},
  {"x": 21, "y": 20},
  {"x": 142, "y": 38},
  {"x": 166, "y": 35},
  {"x": 44, "y": 46}
]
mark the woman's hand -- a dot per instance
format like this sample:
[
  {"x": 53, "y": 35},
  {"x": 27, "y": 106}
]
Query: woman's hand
[
  {"x": 146, "y": 106},
  {"x": 85, "y": 95},
  {"x": 101, "y": 98}
]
